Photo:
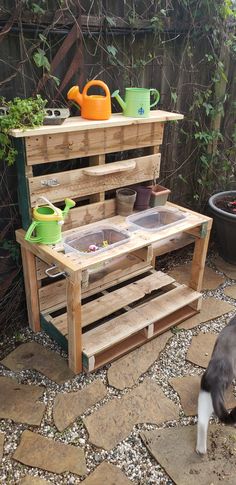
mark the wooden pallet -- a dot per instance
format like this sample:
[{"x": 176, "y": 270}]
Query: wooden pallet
[
  {"x": 127, "y": 303},
  {"x": 147, "y": 306}
]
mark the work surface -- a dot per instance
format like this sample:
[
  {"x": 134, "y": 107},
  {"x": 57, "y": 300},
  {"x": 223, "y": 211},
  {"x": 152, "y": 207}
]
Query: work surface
[
  {"x": 78, "y": 123},
  {"x": 138, "y": 239}
]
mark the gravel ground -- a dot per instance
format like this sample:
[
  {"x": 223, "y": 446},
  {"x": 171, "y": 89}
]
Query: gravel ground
[{"x": 130, "y": 455}]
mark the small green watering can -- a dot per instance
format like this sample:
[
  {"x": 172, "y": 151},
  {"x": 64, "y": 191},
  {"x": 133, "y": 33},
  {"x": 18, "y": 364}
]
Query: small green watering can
[
  {"x": 137, "y": 101},
  {"x": 47, "y": 223}
]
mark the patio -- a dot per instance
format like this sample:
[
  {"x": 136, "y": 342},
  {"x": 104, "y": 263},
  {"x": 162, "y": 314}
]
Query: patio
[{"x": 133, "y": 421}]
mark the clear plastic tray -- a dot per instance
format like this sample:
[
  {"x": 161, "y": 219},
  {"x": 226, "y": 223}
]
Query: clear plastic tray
[
  {"x": 103, "y": 238},
  {"x": 156, "y": 219}
]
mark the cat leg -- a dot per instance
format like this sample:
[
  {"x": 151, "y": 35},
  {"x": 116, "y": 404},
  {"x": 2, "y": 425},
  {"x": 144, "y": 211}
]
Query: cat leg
[{"x": 205, "y": 410}]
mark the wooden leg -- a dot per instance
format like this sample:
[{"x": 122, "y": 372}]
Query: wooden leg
[
  {"x": 74, "y": 323},
  {"x": 31, "y": 289},
  {"x": 198, "y": 262}
]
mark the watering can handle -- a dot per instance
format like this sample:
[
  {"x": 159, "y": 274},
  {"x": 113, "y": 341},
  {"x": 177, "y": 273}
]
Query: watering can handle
[
  {"x": 28, "y": 237},
  {"x": 96, "y": 83},
  {"x": 155, "y": 93}
]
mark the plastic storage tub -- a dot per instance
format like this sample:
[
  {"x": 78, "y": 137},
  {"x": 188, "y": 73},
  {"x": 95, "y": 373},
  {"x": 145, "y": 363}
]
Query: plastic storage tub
[
  {"x": 95, "y": 241},
  {"x": 156, "y": 219}
]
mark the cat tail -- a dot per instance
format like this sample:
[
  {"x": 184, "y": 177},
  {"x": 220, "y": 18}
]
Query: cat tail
[{"x": 220, "y": 409}]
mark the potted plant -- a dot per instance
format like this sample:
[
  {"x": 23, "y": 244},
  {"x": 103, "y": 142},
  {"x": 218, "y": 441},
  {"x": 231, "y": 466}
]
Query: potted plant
[
  {"x": 18, "y": 113},
  {"x": 223, "y": 210},
  {"x": 25, "y": 113}
]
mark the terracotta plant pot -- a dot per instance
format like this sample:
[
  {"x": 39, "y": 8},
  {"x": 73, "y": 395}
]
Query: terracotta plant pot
[{"x": 159, "y": 195}]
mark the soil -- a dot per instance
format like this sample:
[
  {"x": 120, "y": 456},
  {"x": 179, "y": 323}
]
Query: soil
[{"x": 227, "y": 204}]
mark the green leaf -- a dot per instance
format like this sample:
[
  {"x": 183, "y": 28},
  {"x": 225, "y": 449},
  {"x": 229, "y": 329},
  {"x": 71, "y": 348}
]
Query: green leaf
[
  {"x": 111, "y": 21},
  {"x": 55, "y": 79},
  {"x": 174, "y": 96},
  {"x": 37, "y": 9},
  {"x": 41, "y": 59},
  {"x": 112, "y": 50}
]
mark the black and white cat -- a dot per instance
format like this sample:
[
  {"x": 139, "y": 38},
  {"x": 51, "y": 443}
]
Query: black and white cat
[{"x": 216, "y": 379}]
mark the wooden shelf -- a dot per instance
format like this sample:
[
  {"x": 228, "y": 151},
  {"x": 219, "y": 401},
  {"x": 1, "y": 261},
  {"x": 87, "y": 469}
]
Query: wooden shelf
[
  {"x": 78, "y": 123},
  {"x": 110, "y": 168},
  {"x": 143, "y": 316}
]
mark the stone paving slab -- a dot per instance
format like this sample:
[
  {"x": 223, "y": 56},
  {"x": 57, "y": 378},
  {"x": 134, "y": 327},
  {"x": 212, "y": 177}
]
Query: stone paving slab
[
  {"x": 126, "y": 371},
  {"x": 201, "y": 348},
  {"x": 211, "y": 280},
  {"x": 20, "y": 402},
  {"x": 107, "y": 474},
  {"x": 30, "y": 480},
  {"x": 226, "y": 268},
  {"x": 174, "y": 449},
  {"x": 68, "y": 406},
  {"x": 2, "y": 438},
  {"x": 211, "y": 308},
  {"x": 230, "y": 291},
  {"x": 114, "y": 421},
  {"x": 54, "y": 456},
  {"x": 32, "y": 355},
  {"x": 188, "y": 387}
]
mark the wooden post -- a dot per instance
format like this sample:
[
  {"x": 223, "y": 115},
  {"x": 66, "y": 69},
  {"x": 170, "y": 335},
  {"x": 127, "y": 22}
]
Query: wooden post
[
  {"x": 31, "y": 288},
  {"x": 97, "y": 160},
  {"x": 73, "y": 291},
  {"x": 23, "y": 189},
  {"x": 199, "y": 258}
]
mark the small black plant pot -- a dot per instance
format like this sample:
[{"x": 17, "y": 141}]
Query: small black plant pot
[{"x": 223, "y": 211}]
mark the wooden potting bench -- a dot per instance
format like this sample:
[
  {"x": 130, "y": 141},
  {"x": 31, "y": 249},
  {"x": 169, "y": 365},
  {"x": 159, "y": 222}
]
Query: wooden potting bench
[{"x": 101, "y": 307}]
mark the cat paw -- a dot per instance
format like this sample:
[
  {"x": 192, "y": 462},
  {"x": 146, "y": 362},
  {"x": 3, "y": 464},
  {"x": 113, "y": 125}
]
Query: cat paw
[{"x": 201, "y": 452}]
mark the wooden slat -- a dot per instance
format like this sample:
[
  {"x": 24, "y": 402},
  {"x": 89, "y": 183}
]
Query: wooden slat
[
  {"x": 74, "y": 124},
  {"x": 198, "y": 261},
  {"x": 87, "y": 214},
  {"x": 116, "y": 351},
  {"x": 174, "y": 319},
  {"x": 31, "y": 289},
  {"x": 137, "y": 339},
  {"x": 53, "y": 295},
  {"x": 115, "y": 300},
  {"x": 73, "y": 291},
  {"x": 50, "y": 148},
  {"x": 75, "y": 183},
  {"x": 172, "y": 244},
  {"x": 66, "y": 146},
  {"x": 120, "y": 328},
  {"x": 109, "y": 168},
  {"x": 97, "y": 160}
]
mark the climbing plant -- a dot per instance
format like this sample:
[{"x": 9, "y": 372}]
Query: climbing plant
[{"x": 184, "y": 48}]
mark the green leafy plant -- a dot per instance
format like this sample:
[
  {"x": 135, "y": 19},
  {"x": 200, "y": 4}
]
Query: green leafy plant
[{"x": 21, "y": 113}]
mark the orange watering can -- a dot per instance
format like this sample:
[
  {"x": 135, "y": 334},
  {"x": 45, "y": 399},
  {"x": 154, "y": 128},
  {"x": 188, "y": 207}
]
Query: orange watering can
[{"x": 94, "y": 106}]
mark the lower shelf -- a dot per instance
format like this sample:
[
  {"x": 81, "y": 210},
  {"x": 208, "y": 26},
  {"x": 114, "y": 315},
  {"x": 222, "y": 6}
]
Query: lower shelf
[{"x": 126, "y": 316}]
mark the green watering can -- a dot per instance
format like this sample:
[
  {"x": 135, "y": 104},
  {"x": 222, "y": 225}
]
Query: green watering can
[
  {"x": 47, "y": 223},
  {"x": 137, "y": 101}
]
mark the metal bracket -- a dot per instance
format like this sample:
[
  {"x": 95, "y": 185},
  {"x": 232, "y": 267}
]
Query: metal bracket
[
  {"x": 203, "y": 230},
  {"x": 50, "y": 183},
  {"x": 54, "y": 266}
]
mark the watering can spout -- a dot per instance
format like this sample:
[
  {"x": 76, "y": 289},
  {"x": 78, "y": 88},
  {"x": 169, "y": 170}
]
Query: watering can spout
[
  {"x": 75, "y": 95},
  {"x": 69, "y": 204},
  {"x": 119, "y": 99}
]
